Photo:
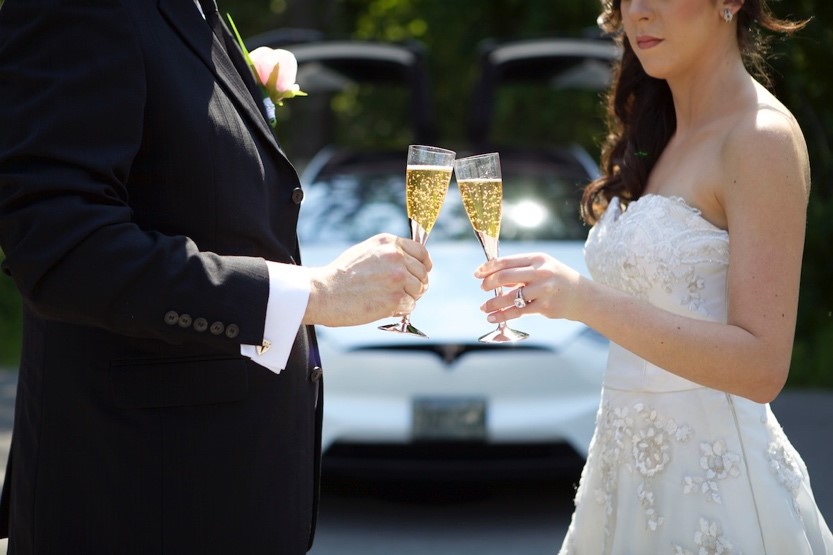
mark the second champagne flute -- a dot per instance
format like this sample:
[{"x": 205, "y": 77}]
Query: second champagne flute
[
  {"x": 427, "y": 176},
  {"x": 481, "y": 186}
]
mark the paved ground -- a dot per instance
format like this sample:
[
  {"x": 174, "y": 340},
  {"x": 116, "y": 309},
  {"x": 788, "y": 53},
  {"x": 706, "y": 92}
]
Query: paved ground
[{"x": 508, "y": 518}]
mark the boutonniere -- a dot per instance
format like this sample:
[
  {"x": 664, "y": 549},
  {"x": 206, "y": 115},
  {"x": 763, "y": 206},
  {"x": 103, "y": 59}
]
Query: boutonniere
[{"x": 275, "y": 70}]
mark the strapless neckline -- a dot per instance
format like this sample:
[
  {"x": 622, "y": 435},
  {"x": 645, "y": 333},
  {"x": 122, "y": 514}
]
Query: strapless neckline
[
  {"x": 681, "y": 202},
  {"x": 661, "y": 249}
]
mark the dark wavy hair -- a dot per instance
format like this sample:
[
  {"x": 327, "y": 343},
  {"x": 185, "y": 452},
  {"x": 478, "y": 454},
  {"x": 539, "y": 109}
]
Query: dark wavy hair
[{"x": 640, "y": 110}]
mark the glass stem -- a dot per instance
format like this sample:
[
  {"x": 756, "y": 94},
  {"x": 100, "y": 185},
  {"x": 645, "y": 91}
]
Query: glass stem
[
  {"x": 419, "y": 235},
  {"x": 498, "y": 293}
]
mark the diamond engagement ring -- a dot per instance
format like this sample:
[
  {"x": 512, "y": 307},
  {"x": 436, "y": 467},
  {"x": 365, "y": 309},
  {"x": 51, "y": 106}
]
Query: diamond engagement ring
[{"x": 520, "y": 302}]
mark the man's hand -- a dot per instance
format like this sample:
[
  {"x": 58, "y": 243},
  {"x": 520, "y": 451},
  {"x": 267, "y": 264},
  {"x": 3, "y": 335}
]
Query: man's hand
[{"x": 377, "y": 278}]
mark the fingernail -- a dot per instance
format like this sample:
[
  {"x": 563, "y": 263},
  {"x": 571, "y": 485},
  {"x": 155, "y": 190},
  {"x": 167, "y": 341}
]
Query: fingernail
[{"x": 492, "y": 318}]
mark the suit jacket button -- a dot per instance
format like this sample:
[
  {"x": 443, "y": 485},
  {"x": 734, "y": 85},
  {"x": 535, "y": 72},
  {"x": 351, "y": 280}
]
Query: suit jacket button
[
  {"x": 171, "y": 317},
  {"x": 200, "y": 324},
  {"x": 217, "y": 328},
  {"x": 297, "y": 195},
  {"x": 184, "y": 320},
  {"x": 232, "y": 330},
  {"x": 315, "y": 374}
]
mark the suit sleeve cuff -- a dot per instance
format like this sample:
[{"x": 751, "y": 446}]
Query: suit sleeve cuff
[{"x": 289, "y": 288}]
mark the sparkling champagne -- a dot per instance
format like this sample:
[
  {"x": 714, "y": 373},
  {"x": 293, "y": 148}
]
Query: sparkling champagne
[
  {"x": 482, "y": 199},
  {"x": 481, "y": 188},
  {"x": 425, "y": 190}
]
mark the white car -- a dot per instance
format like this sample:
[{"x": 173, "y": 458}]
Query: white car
[
  {"x": 386, "y": 389},
  {"x": 448, "y": 402}
]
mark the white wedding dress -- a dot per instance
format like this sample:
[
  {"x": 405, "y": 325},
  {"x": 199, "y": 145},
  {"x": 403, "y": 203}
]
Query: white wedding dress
[{"x": 674, "y": 467}]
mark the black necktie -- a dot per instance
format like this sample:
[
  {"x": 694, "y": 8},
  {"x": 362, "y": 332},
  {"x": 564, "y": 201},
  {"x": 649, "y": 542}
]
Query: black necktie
[{"x": 212, "y": 16}]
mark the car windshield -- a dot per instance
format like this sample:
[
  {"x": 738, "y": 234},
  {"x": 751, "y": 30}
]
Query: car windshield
[{"x": 353, "y": 202}]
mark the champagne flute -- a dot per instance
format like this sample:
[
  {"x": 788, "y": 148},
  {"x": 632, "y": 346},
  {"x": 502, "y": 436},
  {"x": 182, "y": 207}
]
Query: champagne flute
[
  {"x": 427, "y": 176},
  {"x": 481, "y": 186}
]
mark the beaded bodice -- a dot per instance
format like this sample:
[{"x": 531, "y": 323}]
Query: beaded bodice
[{"x": 663, "y": 251}]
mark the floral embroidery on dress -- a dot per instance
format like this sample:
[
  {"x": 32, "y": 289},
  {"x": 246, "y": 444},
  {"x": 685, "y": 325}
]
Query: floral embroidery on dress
[
  {"x": 639, "y": 440},
  {"x": 785, "y": 467},
  {"x": 615, "y": 426},
  {"x": 650, "y": 440},
  {"x": 650, "y": 451},
  {"x": 719, "y": 464},
  {"x": 709, "y": 539},
  {"x": 694, "y": 300},
  {"x": 659, "y": 241}
]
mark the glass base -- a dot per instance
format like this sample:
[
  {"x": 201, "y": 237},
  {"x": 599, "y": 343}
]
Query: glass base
[
  {"x": 404, "y": 326},
  {"x": 503, "y": 334}
]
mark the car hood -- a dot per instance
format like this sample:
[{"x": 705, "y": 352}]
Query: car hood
[{"x": 449, "y": 312}]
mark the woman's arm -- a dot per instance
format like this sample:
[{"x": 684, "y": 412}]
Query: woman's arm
[{"x": 764, "y": 197}]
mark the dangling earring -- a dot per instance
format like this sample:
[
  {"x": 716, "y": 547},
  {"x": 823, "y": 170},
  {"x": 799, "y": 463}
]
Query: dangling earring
[{"x": 727, "y": 15}]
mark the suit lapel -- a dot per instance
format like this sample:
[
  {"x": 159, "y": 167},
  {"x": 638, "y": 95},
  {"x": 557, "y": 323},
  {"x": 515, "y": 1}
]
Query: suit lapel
[{"x": 184, "y": 16}]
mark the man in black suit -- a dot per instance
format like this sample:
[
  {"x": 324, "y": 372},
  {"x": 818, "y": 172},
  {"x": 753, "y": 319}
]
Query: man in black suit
[{"x": 169, "y": 395}]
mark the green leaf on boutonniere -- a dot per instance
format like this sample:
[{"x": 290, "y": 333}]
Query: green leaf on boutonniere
[
  {"x": 241, "y": 43},
  {"x": 267, "y": 102}
]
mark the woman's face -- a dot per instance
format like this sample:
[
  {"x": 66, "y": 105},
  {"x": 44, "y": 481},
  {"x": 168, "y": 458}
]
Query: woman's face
[{"x": 671, "y": 37}]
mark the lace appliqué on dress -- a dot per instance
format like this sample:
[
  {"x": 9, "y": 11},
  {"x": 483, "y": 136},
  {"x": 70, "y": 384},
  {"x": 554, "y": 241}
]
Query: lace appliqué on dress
[
  {"x": 709, "y": 540},
  {"x": 639, "y": 440},
  {"x": 718, "y": 464},
  {"x": 661, "y": 241},
  {"x": 785, "y": 467}
]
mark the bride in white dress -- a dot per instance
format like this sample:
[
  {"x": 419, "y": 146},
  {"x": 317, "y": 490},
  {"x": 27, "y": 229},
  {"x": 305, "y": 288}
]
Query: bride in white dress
[{"x": 695, "y": 252}]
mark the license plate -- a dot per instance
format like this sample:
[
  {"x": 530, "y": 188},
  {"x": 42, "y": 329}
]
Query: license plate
[{"x": 449, "y": 418}]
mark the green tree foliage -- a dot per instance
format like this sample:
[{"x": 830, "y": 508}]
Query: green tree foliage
[{"x": 454, "y": 32}]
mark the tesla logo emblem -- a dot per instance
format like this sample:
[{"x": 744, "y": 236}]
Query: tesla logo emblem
[{"x": 450, "y": 353}]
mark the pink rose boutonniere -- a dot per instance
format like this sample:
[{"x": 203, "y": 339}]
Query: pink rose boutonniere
[{"x": 275, "y": 70}]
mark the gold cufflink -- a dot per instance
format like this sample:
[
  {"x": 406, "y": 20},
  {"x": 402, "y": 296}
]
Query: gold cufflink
[{"x": 265, "y": 346}]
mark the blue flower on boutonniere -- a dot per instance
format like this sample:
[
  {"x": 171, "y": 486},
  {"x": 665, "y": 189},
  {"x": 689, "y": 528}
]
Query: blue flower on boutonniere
[{"x": 275, "y": 70}]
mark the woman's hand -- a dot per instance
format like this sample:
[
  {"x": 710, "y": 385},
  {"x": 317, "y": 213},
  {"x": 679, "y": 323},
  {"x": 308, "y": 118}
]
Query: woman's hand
[{"x": 550, "y": 287}]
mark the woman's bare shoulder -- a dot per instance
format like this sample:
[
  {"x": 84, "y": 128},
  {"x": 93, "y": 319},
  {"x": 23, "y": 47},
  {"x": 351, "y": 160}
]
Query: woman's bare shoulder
[{"x": 766, "y": 144}]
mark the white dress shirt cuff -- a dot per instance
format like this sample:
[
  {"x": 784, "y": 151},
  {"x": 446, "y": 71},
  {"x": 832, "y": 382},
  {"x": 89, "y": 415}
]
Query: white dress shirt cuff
[{"x": 289, "y": 288}]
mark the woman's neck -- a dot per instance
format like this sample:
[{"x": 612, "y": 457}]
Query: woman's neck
[{"x": 715, "y": 87}]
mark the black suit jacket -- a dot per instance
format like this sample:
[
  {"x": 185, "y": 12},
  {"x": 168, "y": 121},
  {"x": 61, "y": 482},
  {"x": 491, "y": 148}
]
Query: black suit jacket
[{"x": 141, "y": 190}]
